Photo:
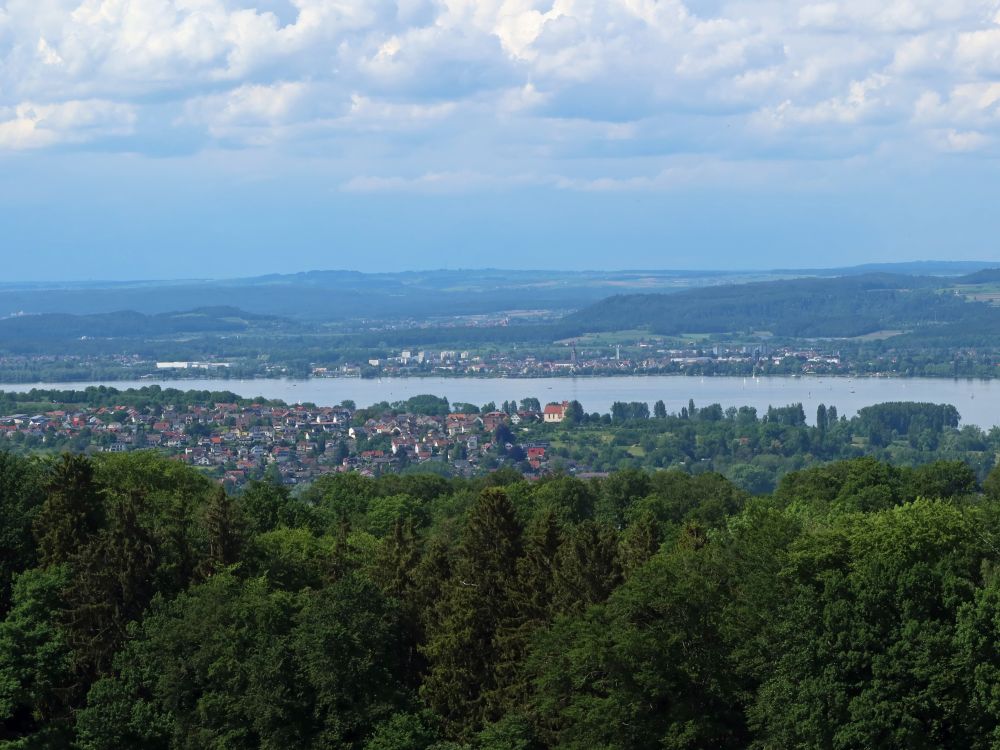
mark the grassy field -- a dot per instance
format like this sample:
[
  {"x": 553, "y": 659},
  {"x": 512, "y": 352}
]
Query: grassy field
[
  {"x": 978, "y": 292},
  {"x": 611, "y": 338}
]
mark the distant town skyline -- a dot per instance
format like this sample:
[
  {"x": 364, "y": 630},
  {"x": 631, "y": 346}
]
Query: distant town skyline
[{"x": 223, "y": 138}]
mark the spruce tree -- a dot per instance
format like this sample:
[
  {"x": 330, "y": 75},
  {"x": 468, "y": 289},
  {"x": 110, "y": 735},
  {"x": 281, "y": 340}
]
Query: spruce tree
[
  {"x": 431, "y": 577},
  {"x": 224, "y": 530},
  {"x": 462, "y": 638},
  {"x": 640, "y": 541},
  {"x": 531, "y": 609},
  {"x": 588, "y": 567},
  {"x": 21, "y": 498},
  {"x": 72, "y": 511},
  {"x": 112, "y": 584},
  {"x": 395, "y": 572}
]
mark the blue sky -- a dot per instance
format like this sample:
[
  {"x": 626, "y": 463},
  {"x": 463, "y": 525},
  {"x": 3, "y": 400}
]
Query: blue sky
[{"x": 194, "y": 138}]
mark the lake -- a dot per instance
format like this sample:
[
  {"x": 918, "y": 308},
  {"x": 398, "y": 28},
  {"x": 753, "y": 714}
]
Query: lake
[{"x": 978, "y": 401}]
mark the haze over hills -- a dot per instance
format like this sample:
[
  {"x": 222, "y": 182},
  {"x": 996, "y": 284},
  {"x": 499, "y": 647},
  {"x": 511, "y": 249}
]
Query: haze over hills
[
  {"x": 351, "y": 295},
  {"x": 449, "y": 307},
  {"x": 511, "y": 323}
]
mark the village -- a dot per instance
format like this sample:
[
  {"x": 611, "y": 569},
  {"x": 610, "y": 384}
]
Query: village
[
  {"x": 570, "y": 359},
  {"x": 637, "y": 358},
  {"x": 294, "y": 444}
]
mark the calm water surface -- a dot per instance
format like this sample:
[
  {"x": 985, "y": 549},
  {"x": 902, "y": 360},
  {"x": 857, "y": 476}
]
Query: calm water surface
[{"x": 978, "y": 401}]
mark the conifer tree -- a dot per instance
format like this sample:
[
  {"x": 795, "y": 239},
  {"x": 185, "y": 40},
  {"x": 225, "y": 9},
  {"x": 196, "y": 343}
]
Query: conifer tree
[
  {"x": 640, "y": 541},
  {"x": 395, "y": 572},
  {"x": 72, "y": 511},
  {"x": 20, "y": 500},
  {"x": 342, "y": 563},
  {"x": 531, "y": 609},
  {"x": 588, "y": 567},
  {"x": 462, "y": 639},
  {"x": 224, "y": 529},
  {"x": 112, "y": 584},
  {"x": 431, "y": 577}
]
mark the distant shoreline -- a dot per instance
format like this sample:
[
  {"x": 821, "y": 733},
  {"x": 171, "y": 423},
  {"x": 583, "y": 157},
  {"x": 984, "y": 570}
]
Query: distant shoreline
[{"x": 491, "y": 376}]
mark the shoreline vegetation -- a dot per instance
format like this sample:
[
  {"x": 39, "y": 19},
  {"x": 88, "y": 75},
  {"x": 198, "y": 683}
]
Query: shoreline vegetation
[{"x": 215, "y": 376}]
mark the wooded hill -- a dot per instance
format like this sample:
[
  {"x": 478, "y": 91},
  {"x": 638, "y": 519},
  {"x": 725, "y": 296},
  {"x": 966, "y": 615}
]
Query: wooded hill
[
  {"x": 349, "y": 295},
  {"x": 128, "y": 323},
  {"x": 796, "y": 308}
]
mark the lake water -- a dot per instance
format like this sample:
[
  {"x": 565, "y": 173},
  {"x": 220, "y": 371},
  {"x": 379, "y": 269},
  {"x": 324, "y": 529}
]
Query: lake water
[{"x": 978, "y": 401}]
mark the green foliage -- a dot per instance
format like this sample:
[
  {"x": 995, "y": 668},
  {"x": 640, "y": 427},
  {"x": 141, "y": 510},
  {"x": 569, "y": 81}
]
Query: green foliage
[
  {"x": 71, "y": 513},
  {"x": 266, "y": 506},
  {"x": 402, "y": 732},
  {"x": 648, "y": 669},
  {"x": 426, "y": 404},
  {"x": 587, "y": 567},
  {"x": 570, "y": 499},
  {"x": 461, "y": 646},
  {"x": 624, "y": 412},
  {"x": 36, "y": 662},
  {"x": 344, "y": 645},
  {"x": 21, "y": 495},
  {"x": 856, "y": 606},
  {"x": 844, "y": 306},
  {"x": 868, "y": 644},
  {"x": 236, "y": 664}
]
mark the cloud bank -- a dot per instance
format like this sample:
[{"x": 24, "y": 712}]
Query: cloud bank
[{"x": 437, "y": 95}]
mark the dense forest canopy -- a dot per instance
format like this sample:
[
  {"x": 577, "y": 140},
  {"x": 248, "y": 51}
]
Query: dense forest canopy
[{"x": 142, "y": 606}]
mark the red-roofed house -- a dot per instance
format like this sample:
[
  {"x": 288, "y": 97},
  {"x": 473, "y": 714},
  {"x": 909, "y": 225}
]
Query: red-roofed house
[{"x": 555, "y": 412}]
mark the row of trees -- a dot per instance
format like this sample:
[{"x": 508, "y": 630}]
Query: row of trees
[{"x": 756, "y": 451}]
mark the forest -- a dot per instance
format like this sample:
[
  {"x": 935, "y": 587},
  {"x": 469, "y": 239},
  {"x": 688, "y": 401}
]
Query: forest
[
  {"x": 844, "y": 307},
  {"x": 143, "y": 606}
]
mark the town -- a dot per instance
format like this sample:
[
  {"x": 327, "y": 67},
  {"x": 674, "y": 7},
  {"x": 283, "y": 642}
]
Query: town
[
  {"x": 642, "y": 357},
  {"x": 574, "y": 358},
  {"x": 236, "y": 443}
]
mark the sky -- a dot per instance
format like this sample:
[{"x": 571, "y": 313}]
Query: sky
[{"x": 218, "y": 138}]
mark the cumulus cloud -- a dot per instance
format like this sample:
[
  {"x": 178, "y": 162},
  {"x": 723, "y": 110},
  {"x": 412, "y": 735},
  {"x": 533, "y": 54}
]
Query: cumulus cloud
[
  {"x": 255, "y": 114},
  {"x": 436, "y": 182},
  {"x": 31, "y": 126},
  {"x": 436, "y": 91}
]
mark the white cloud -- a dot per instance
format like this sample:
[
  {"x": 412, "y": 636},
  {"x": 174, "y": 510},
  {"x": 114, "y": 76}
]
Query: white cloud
[
  {"x": 579, "y": 88},
  {"x": 860, "y": 101},
  {"x": 965, "y": 141},
  {"x": 250, "y": 113},
  {"x": 965, "y": 105},
  {"x": 434, "y": 182},
  {"x": 30, "y": 126}
]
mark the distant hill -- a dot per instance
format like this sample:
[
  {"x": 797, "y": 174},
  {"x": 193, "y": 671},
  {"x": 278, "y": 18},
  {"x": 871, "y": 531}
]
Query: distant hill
[
  {"x": 339, "y": 295},
  {"x": 350, "y": 295},
  {"x": 837, "y": 307},
  {"x": 128, "y": 323},
  {"x": 946, "y": 268},
  {"x": 985, "y": 276}
]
